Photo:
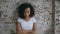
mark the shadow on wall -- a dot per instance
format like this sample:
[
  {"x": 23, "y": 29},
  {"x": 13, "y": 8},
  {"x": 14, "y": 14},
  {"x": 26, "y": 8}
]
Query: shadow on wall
[
  {"x": 12, "y": 32},
  {"x": 57, "y": 0},
  {"x": 0, "y": 13}
]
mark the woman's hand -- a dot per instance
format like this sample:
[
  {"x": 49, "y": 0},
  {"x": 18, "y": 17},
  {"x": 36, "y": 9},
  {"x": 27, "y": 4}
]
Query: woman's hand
[
  {"x": 25, "y": 31},
  {"x": 32, "y": 32},
  {"x": 28, "y": 31}
]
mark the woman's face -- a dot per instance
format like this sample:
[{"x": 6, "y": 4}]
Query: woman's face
[{"x": 27, "y": 12}]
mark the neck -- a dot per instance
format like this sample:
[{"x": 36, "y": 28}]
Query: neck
[{"x": 27, "y": 18}]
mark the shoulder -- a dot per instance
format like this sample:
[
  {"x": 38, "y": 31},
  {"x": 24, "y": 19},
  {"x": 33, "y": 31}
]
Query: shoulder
[
  {"x": 33, "y": 19},
  {"x": 19, "y": 20}
]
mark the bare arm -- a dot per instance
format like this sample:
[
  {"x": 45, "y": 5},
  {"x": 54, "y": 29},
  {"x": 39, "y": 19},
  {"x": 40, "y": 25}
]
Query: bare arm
[
  {"x": 18, "y": 28},
  {"x": 34, "y": 27}
]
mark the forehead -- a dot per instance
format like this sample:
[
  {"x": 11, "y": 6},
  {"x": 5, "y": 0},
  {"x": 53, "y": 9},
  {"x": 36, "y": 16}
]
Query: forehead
[{"x": 27, "y": 9}]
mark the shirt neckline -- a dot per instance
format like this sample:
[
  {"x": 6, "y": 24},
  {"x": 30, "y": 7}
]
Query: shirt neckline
[{"x": 28, "y": 20}]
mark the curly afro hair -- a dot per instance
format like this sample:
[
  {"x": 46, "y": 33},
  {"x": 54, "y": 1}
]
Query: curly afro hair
[{"x": 22, "y": 7}]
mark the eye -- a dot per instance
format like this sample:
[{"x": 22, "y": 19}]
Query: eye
[{"x": 27, "y": 10}]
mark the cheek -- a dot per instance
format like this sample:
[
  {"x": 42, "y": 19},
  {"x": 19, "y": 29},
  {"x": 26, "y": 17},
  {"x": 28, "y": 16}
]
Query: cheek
[{"x": 29, "y": 13}]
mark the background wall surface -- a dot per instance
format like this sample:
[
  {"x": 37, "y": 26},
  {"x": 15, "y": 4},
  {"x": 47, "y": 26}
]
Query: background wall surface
[{"x": 43, "y": 10}]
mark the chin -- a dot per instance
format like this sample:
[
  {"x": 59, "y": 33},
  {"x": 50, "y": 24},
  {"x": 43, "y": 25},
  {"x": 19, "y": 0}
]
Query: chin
[{"x": 26, "y": 16}]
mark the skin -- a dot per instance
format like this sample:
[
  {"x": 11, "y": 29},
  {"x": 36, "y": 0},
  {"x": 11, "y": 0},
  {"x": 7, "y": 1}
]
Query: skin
[{"x": 19, "y": 28}]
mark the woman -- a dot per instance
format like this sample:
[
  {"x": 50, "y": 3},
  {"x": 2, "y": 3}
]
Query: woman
[{"x": 26, "y": 23}]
